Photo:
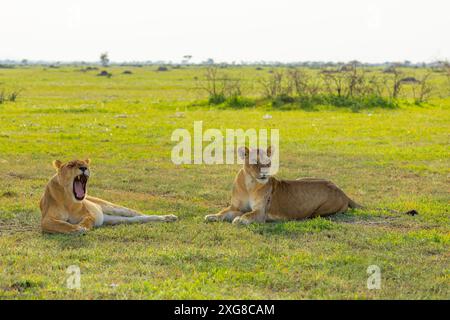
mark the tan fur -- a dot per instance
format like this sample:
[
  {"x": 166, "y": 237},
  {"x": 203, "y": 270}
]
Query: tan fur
[
  {"x": 63, "y": 213},
  {"x": 258, "y": 197}
]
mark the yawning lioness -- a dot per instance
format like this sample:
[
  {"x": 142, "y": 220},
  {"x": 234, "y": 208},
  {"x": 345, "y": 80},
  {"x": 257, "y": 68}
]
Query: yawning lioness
[
  {"x": 66, "y": 207},
  {"x": 259, "y": 197}
]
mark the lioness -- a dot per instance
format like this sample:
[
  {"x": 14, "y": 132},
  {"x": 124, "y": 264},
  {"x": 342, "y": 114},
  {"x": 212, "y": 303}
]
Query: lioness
[
  {"x": 259, "y": 197},
  {"x": 66, "y": 207}
]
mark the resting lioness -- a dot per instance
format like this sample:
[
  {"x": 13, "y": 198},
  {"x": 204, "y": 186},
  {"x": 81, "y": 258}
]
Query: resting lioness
[
  {"x": 66, "y": 207},
  {"x": 258, "y": 197}
]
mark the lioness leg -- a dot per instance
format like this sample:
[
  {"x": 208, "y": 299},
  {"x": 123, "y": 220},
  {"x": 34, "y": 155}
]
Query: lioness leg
[
  {"x": 87, "y": 222},
  {"x": 51, "y": 225},
  {"x": 227, "y": 214},
  {"x": 250, "y": 217},
  {"x": 114, "y": 220},
  {"x": 113, "y": 209},
  {"x": 331, "y": 207}
]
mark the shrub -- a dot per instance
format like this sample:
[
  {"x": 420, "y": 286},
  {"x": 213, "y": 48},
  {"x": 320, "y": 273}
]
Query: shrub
[
  {"x": 88, "y": 69},
  {"x": 219, "y": 86},
  {"x": 354, "y": 103},
  {"x": 162, "y": 68},
  {"x": 216, "y": 98},
  {"x": 11, "y": 97},
  {"x": 239, "y": 102},
  {"x": 375, "y": 101},
  {"x": 357, "y": 103},
  {"x": 309, "y": 102},
  {"x": 104, "y": 73},
  {"x": 277, "y": 84},
  {"x": 281, "y": 100}
]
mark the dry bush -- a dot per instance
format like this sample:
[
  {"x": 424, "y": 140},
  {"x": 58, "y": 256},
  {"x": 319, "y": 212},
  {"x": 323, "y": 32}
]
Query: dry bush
[
  {"x": 277, "y": 84},
  {"x": 304, "y": 84},
  {"x": 219, "y": 86},
  {"x": 393, "y": 82},
  {"x": 422, "y": 89}
]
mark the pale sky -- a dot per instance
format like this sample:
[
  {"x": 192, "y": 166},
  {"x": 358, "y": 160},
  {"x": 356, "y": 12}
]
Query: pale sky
[{"x": 226, "y": 30}]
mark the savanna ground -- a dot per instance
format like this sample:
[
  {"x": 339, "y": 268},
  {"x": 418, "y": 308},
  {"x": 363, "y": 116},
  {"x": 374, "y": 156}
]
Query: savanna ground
[{"x": 397, "y": 158}]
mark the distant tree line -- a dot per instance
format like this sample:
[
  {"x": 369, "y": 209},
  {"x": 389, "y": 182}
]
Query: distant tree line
[
  {"x": 187, "y": 61},
  {"x": 350, "y": 85}
]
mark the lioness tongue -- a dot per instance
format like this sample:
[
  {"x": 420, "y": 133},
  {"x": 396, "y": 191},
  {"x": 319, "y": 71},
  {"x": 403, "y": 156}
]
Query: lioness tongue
[{"x": 78, "y": 187}]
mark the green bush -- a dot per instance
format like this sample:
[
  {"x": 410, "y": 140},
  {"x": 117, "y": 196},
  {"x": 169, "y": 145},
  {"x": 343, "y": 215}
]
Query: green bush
[
  {"x": 239, "y": 102},
  {"x": 357, "y": 103},
  {"x": 377, "y": 101},
  {"x": 309, "y": 102},
  {"x": 216, "y": 99},
  {"x": 12, "y": 96},
  {"x": 354, "y": 103},
  {"x": 282, "y": 100}
]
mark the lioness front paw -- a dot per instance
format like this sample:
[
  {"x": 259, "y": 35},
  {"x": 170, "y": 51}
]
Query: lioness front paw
[
  {"x": 241, "y": 221},
  {"x": 212, "y": 218},
  {"x": 80, "y": 230},
  {"x": 170, "y": 218}
]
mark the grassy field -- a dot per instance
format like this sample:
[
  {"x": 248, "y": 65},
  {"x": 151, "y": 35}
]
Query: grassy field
[{"x": 395, "y": 158}]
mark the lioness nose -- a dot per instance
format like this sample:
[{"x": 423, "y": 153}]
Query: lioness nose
[{"x": 82, "y": 169}]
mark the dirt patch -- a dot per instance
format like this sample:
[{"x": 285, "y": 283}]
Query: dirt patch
[
  {"x": 12, "y": 227},
  {"x": 17, "y": 175},
  {"x": 9, "y": 194}
]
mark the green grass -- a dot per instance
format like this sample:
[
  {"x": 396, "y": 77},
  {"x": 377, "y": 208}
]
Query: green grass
[{"x": 395, "y": 158}]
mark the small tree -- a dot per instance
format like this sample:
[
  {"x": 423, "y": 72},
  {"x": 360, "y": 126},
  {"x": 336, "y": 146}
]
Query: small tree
[
  {"x": 219, "y": 86},
  {"x": 104, "y": 59},
  {"x": 334, "y": 82},
  {"x": 356, "y": 80},
  {"x": 394, "y": 83},
  {"x": 303, "y": 84},
  {"x": 277, "y": 84},
  {"x": 424, "y": 88}
]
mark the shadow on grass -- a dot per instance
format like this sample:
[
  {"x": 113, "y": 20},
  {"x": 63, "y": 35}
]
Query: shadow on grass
[
  {"x": 320, "y": 224},
  {"x": 291, "y": 228},
  {"x": 68, "y": 241}
]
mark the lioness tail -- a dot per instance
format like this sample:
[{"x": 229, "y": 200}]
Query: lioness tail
[{"x": 352, "y": 204}]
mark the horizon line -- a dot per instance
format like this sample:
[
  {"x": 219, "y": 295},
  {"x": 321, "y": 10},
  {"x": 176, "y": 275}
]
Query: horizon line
[{"x": 211, "y": 61}]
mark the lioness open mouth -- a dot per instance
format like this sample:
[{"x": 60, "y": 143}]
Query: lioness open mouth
[{"x": 79, "y": 186}]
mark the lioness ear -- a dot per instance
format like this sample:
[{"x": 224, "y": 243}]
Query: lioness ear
[
  {"x": 57, "y": 164},
  {"x": 88, "y": 161},
  {"x": 270, "y": 151},
  {"x": 243, "y": 152}
]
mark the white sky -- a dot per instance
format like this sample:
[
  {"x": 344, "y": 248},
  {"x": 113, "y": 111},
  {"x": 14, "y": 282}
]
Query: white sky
[{"x": 226, "y": 30}]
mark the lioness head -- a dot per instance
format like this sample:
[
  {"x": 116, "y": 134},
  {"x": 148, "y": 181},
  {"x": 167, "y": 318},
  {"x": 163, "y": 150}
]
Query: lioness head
[
  {"x": 73, "y": 177},
  {"x": 257, "y": 163}
]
